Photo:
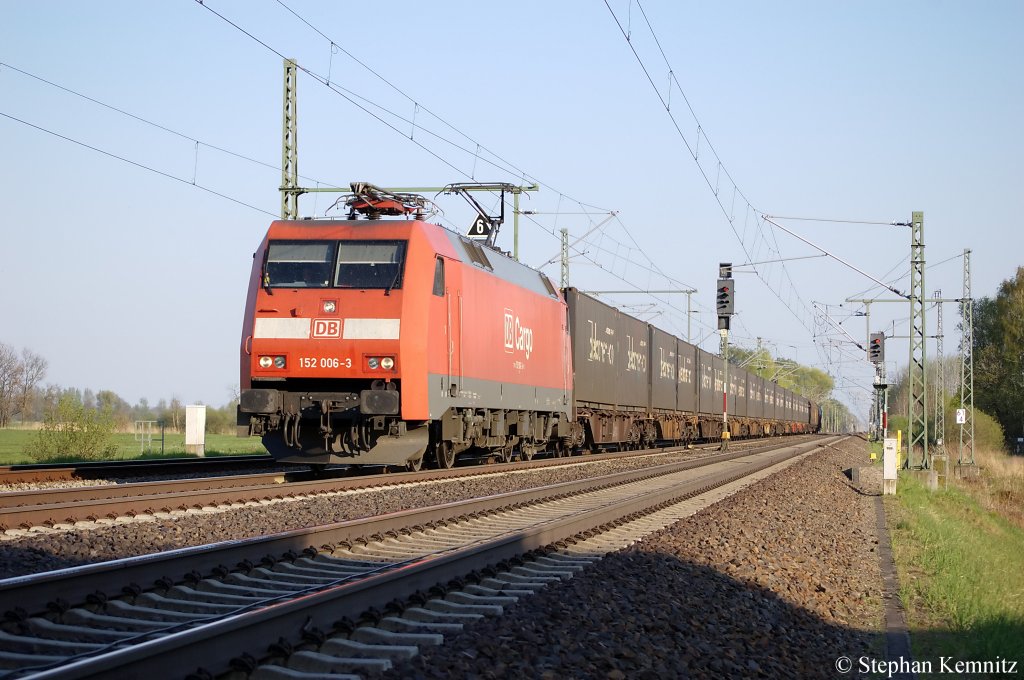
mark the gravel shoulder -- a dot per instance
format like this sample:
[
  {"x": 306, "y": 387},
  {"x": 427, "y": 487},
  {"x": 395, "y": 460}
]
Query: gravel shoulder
[
  {"x": 778, "y": 580},
  {"x": 46, "y": 550}
]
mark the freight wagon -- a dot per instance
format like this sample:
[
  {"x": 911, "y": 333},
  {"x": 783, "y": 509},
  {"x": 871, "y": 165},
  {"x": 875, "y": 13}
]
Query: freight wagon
[{"x": 636, "y": 385}]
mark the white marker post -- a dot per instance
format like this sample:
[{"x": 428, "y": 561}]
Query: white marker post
[
  {"x": 195, "y": 430},
  {"x": 889, "y": 467}
]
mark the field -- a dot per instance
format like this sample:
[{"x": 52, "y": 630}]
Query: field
[
  {"x": 960, "y": 558},
  {"x": 14, "y": 441}
]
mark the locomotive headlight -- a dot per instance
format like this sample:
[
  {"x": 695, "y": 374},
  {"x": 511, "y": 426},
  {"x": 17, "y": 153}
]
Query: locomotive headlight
[
  {"x": 330, "y": 306},
  {"x": 387, "y": 363},
  {"x": 373, "y": 363},
  {"x": 279, "y": 362},
  {"x": 266, "y": 362}
]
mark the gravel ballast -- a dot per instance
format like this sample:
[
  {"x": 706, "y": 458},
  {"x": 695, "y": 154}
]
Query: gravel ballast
[
  {"x": 779, "y": 580},
  {"x": 110, "y": 539}
]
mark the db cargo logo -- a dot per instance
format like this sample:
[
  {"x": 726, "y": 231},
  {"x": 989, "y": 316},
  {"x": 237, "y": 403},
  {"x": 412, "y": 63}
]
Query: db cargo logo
[
  {"x": 517, "y": 336},
  {"x": 326, "y": 328}
]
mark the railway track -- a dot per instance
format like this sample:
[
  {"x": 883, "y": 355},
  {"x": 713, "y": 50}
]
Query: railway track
[
  {"x": 43, "y": 472},
  {"x": 65, "y": 506},
  {"x": 350, "y": 597}
]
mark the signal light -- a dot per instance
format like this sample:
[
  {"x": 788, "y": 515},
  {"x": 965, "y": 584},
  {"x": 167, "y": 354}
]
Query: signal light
[
  {"x": 876, "y": 348},
  {"x": 724, "y": 300}
]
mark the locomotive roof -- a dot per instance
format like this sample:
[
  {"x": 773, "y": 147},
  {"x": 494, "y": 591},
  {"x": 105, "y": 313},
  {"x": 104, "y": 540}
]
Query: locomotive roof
[
  {"x": 466, "y": 250},
  {"x": 501, "y": 265}
]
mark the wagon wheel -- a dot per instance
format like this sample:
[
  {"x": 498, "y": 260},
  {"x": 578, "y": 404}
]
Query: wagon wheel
[
  {"x": 578, "y": 438},
  {"x": 526, "y": 451},
  {"x": 633, "y": 438},
  {"x": 444, "y": 452},
  {"x": 414, "y": 465},
  {"x": 504, "y": 454}
]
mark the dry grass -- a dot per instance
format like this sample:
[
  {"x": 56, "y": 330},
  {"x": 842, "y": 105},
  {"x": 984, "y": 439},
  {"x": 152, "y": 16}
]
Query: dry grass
[{"x": 1000, "y": 487}]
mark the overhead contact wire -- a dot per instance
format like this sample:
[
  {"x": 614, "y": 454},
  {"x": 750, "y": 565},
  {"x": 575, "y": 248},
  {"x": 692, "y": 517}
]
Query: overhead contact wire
[{"x": 136, "y": 164}]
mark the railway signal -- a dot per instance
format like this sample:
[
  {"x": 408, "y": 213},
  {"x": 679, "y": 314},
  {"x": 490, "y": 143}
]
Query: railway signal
[
  {"x": 725, "y": 302},
  {"x": 876, "y": 348}
]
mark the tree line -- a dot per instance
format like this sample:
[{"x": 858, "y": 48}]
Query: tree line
[
  {"x": 24, "y": 399},
  {"x": 999, "y": 355}
]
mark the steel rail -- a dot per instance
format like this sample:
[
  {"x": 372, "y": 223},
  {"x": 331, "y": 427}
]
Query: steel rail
[
  {"x": 75, "y": 584},
  {"x": 211, "y": 645},
  {"x": 42, "y": 472},
  {"x": 48, "y": 507}
]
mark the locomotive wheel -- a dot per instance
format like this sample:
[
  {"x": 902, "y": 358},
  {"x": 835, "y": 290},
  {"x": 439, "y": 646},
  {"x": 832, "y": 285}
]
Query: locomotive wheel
[
  {"x": 526, "y": 452},
  {"x": 415, "y": 465},
  {"x": 445, "y": 454},
  {"x": 504, "y": 454}
]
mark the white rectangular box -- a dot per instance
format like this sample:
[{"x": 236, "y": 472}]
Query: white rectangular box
[
  {"x": 195, "y": 429},
  {"x": 889, "y": 467}
]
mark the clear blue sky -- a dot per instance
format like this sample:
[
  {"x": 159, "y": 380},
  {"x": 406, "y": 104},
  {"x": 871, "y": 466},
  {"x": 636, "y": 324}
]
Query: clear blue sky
[{"x": 128, "y": 280}]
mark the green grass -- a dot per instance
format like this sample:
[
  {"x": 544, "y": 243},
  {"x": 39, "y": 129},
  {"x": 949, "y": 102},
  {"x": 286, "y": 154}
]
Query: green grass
[
  {"x": 13, "y": 443},
  {"x": 876, "y": 448},
  {"x": 961, "y": 571}
]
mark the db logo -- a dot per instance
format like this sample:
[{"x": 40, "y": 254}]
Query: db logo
[
  {"x": 326, "y": 328},
  {"x": 510, "y": 330}
]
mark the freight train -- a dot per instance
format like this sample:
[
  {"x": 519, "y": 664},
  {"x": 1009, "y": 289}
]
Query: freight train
[{"x": 376, "y": 341}]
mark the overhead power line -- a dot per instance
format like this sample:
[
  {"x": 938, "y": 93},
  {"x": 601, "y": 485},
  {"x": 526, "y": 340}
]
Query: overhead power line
[
  {"x": 146, "y": 121},
  {"x": 137, "y": 164},
  {"x": 694, "y": 149}
]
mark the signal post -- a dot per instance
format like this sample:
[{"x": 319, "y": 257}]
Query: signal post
[
  {"x": 876, "y": 355},
  {"x": 725, "y": 303}
]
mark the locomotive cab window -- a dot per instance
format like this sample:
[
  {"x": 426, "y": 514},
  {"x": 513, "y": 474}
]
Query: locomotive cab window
[
  {"x": 299, "y": 264},
  {"x": 370, "y": 264},
  {"x": 439, "y": 277}
]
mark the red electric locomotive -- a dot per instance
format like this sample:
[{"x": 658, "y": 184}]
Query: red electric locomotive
[{"x": 394, "y": 342}]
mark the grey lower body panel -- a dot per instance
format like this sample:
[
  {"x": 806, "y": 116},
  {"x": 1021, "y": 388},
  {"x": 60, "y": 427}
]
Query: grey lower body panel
[{"x": 445, "y": 393}]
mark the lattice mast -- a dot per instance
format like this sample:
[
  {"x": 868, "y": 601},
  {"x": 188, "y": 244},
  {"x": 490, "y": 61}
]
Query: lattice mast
[
  {"x": 917, "y": 431},
  {"x": 940, "y": 382},
  {"x": 564, "y": 273},
  {"x": 290, "y": 190},
  {"x": 966, "y": 456}
]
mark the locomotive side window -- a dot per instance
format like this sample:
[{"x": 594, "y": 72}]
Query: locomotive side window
[
  {"x": 370, "y": 264},
  {"x": 299, "y": 264},
  {"x": 439, "y": 277}
]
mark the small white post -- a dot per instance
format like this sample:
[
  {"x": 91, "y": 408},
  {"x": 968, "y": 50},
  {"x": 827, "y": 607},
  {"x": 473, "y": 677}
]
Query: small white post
[
  {"x": 195, "y": 430},
  {"x": 889, "y": 467}
]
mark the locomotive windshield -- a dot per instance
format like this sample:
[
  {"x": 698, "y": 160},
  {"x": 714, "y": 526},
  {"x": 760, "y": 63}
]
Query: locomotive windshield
[
  {"x": 344, "y": 264},
  {"x": 370, "y": 264},
  {"x": 299, "y": 264}
]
